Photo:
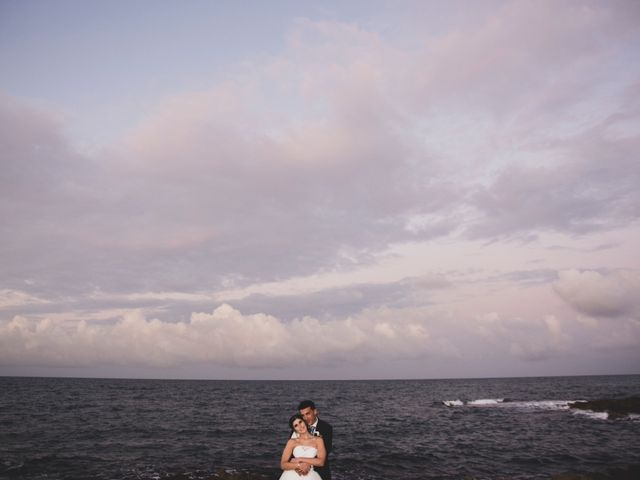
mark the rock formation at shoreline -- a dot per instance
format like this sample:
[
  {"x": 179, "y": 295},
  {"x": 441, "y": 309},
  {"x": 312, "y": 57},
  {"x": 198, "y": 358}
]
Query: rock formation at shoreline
[{"x": 615, "y": 407}]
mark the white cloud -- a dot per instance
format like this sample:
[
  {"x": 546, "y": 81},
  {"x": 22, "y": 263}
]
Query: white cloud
[
  {"x": 533, "y": 339},
  {"x": 224, "y": 337},
  {"x": 610, "y": 294},
  {"x": 17, "y": 298}
]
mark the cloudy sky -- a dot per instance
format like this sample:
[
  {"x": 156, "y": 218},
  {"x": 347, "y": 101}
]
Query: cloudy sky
[{"x": 301, "y": 189}]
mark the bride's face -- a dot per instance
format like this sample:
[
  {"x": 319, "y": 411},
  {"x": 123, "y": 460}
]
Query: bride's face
[{"x": 299, "y": 426}]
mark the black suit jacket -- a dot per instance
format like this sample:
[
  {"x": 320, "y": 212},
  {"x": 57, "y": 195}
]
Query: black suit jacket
[{"x": 326, "y": 430}]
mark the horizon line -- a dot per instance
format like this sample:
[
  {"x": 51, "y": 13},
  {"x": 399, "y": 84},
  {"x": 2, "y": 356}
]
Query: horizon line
[{"x": 317, "y": 379}]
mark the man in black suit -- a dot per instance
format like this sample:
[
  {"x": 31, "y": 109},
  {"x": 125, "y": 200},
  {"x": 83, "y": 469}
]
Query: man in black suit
[{"x": 318, "y": 427}]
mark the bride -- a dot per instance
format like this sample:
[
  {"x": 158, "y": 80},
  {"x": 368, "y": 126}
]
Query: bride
[{"x": 307, "y": 451}]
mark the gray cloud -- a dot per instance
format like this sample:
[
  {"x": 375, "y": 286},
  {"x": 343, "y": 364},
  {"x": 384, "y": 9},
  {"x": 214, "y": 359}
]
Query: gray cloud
[
  {"x": 523, "y": 277},
  {"x": 203, "y": 192},
  {"x": 194, "y": 218},
  {"x": 531, "y": 60},
  {"x": 340, "y": 302},
  {"x": 593, "y": 187}
]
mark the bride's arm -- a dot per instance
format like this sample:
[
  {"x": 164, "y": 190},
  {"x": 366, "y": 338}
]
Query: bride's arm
[
  {"x": 321, "y": 456},
  {"x": 285, "y": 464}
]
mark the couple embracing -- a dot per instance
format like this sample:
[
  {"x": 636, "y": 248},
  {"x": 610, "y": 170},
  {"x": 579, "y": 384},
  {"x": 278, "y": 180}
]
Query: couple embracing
[{"x": 306, "y": 455}]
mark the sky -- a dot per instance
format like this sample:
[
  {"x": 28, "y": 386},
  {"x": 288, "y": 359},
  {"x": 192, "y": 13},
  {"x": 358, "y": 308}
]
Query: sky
[{"x": 319, "y": 190}]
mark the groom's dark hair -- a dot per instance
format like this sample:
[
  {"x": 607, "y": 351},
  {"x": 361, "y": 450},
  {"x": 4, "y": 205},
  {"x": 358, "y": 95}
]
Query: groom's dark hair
[{"x": 306, "y": 404}]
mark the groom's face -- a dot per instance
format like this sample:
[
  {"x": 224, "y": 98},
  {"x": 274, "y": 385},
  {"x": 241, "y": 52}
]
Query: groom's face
[{"x": 309, "y": 415}]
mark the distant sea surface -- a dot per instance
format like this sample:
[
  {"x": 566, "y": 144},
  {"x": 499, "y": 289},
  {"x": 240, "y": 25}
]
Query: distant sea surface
[{"x": 517, "y": 428}]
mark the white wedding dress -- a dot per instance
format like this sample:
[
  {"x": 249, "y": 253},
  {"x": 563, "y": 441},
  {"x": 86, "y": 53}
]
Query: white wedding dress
[{"x": 302, "y": 451}]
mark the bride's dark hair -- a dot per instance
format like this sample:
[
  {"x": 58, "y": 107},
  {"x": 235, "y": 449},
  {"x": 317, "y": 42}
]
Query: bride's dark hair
[{"x": 293, "y": 419}]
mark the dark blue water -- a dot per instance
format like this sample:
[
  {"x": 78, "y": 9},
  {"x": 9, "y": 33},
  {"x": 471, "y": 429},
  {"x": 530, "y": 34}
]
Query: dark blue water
[{"x": 58, "y": 428}]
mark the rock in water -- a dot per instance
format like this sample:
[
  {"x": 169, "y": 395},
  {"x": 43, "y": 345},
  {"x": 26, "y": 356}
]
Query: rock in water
[{"x": 615, "y": 407}]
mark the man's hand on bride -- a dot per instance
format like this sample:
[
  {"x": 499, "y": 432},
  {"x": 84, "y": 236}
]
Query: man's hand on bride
[{"x": 303, "y": 468}]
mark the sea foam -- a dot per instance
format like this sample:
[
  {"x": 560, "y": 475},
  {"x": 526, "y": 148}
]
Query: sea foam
[
  {"x": 592, "y": 414},
  {"x": 486, "y": 402}
]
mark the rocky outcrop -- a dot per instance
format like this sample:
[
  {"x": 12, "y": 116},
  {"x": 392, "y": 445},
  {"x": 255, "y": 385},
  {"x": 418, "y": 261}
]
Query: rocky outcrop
[{"x": 615, "y": 407}]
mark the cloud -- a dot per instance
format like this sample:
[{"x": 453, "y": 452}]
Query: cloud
[
  {"x": 350, "y": 164},
  {"x": 17, "y": 298},
  {"x": 528, "y": 339},
  {"x": 344, "y": 300},
  {"x": 600, "y": 294},
  {"x": 224, "y": 337},
  {"x": 521, "y": 121},
  {"x": 522, "y": 54},
  {"x": 589, "y": 186}
]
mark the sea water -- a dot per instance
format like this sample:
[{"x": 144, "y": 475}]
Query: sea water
[{"x": 517, "y": 428}]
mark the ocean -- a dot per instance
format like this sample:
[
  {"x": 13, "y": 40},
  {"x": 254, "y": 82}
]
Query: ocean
[{"x": 516, "y": 428}]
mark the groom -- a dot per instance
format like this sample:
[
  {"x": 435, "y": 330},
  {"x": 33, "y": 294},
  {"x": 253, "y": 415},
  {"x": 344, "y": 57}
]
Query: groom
[{"x": 318, "y": 427}]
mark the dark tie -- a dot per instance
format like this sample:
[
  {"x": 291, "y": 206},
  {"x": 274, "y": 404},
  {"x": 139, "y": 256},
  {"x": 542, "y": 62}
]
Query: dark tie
[{"x": 312, "y": 429}]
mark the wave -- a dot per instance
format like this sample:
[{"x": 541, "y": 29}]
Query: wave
[
  {"x": 506, "y": 403},
  {"x": 577, "y": 407},
  {"x": 477, "y": 403},
  {"x": 486, "y": 402},
  {"x": 592, "y": 414}
]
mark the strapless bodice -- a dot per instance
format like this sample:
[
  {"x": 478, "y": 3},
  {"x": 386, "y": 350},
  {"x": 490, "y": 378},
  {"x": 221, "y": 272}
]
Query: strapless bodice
[{"x": 304, "y": 451}]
